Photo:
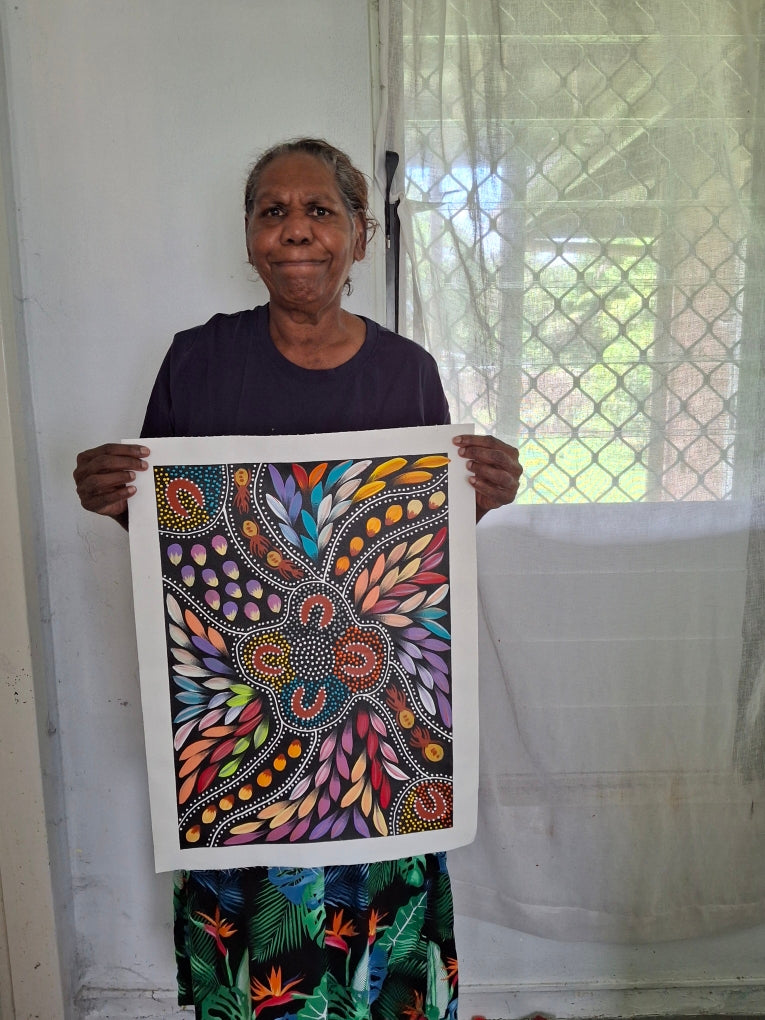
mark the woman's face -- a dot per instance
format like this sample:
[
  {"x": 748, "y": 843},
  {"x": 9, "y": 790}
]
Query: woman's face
[{"x": 300, "y": 238}]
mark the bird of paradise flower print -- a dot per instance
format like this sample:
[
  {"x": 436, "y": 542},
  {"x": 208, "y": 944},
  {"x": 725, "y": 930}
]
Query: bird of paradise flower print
[
  {"x": 274, "y": 992},
  {"x": 307, "y": 613},
  {"x": 218, "y": 927}
]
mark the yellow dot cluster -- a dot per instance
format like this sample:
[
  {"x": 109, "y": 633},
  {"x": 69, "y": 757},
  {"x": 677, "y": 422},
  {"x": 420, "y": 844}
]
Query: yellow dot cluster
[
  {"x": 411, "y": 818},
  {"x": 167, "y": 519},
  {"x": 272, "y": 638}
]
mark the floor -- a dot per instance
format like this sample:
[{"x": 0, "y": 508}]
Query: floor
[{"x": 684, "y": 1016}]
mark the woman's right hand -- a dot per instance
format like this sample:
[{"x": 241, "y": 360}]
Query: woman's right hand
[{"x": 104, "y": 477}]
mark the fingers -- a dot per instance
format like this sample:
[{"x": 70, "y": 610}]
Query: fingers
[
  {"x": 104, "y": 477},
  {"x": 496, "y": 470}
]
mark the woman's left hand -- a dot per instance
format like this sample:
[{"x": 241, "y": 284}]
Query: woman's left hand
[{"x": 496, "y": 471}]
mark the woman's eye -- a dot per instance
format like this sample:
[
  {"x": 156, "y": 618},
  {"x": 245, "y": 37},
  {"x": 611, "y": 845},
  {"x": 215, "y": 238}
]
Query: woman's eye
[
  {"x": 272, "y": 210},
  {"x": 320, "y": 211}
]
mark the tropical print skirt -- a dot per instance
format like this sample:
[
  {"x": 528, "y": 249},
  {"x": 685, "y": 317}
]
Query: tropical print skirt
[{"x": 341, "y": 943}]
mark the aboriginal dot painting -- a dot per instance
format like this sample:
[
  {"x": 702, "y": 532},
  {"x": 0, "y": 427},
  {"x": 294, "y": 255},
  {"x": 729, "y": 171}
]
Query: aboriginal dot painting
[{"x": 307, "y": 618}]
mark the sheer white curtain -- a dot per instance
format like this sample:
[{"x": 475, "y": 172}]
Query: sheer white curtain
[{"x": 581, "y": 196}]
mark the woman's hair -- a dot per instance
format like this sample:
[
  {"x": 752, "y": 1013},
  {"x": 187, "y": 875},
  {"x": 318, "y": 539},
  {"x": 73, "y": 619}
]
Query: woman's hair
[{"x": 351, "y": 183}]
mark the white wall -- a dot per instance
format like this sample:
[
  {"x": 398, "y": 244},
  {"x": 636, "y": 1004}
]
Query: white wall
[{"x": 132, "y": 124}]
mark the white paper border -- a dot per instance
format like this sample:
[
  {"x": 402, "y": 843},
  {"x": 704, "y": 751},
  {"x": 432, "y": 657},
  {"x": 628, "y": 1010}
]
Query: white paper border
[{"x": 148, "y": 601}]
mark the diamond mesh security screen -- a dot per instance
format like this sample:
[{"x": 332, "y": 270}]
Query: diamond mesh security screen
[{"x": 578, "y": 217}]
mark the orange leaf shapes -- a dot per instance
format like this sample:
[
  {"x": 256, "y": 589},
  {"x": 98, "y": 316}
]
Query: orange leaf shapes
[
  {"x": 216, "y": 639},
  {"x": 316, "y": 475},
  {"x": 194, "y": 624},
  {"x": 362, "y": 583},
  {"x": 412, "y": 478}
]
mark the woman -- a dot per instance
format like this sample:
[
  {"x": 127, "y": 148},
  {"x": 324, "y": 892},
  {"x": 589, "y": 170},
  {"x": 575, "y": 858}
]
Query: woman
[{"x": 302, "y": 364}]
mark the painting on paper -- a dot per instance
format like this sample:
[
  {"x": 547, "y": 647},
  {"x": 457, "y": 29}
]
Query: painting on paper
[{"x": 296, "y": 609}]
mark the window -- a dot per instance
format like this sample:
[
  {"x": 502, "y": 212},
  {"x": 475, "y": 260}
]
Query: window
[{"x": 578, "y": 206}]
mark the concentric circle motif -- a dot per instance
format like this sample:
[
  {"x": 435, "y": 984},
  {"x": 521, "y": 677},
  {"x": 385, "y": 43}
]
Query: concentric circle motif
[
  {"x": 188, "y": 498},
  {"x": 318, "y": 659},
  {"x": 426, "y": 805}
]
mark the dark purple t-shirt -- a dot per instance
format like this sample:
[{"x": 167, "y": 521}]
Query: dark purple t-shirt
[{"x": 227, "y": 378}]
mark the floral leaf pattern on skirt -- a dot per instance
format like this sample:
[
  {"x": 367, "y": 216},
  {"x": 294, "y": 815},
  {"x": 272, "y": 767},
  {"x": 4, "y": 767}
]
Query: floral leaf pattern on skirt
[{"x": 372, "y": 942}]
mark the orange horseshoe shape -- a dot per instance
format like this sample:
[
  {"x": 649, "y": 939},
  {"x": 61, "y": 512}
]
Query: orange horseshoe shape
[
  {"x": 327, "y": 609},
  {"x": 183, "y": 485},
  {"x": 262, "y": 663},
  {"x": 366, "y": 660},
  {"x": 303, "y": 711},
  {"x": 430, "y": 804}
]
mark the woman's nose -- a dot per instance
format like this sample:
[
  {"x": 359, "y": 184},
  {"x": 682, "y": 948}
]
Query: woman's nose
[{"x": 296, "y": 229}]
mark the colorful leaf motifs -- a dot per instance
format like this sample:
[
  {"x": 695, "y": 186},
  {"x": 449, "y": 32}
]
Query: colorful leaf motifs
[{"x": 307, "y": 611}]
